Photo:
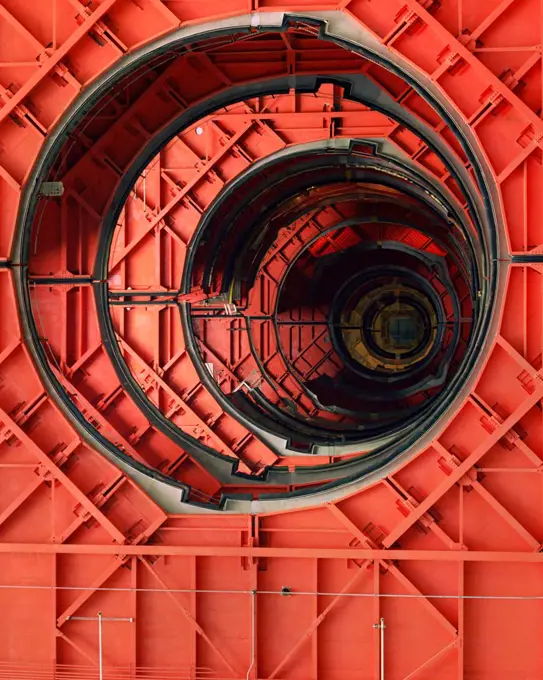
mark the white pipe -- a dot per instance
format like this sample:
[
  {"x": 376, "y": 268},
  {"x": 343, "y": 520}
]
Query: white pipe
[
  {"x": 400, "y": 596},
  {"x": 382, "y": 645},
  {"x": 381, "y": 626},
  {"x": 253, "y": 633},
  {"x": 100, "y": 660}
]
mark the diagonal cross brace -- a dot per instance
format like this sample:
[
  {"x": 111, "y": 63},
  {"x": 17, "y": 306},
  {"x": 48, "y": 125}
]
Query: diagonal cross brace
[
  {"x": 190, "y": 618},
  {"x": 76, "y": 492},
  {"x": 464, "y": 467}
]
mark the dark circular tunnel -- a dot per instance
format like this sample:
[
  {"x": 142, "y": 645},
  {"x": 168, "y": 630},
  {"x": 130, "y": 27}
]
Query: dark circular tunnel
[{"x": 388, "y": 283}]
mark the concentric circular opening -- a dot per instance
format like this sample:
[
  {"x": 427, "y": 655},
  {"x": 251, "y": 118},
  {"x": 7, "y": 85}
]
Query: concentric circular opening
[
  {"x": 287, "y": 264},
  {"x": 389, "y": 327},
  {"x": 370, "y": 283}
]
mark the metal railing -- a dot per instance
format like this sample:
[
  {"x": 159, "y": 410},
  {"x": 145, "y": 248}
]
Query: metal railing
[{"x": 21, "y": 671}]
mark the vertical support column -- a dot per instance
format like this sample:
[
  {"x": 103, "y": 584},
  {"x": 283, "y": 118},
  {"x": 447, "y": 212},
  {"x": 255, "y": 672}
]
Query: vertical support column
[
  {"x": 461, "y": 514},
  {"x": 252, "y": 672},
  {"x": 460, "y": 642},
  {"x": 194, "y": 612},
  {"x": 315, "y": 637},
  {"x": 85, "y": 295},
  {"x": 123, "y": 240},
  {"x": 64, "y": 235},
  {"x": 158, "y": 244},
  {"x": 54, "y": 584},
  {"x": 100, "y": 652},
  {"x": 62, "y": 292},
  {"x": 377, "y": 617},
  {"x": 54, "y": 593},
  {"x": 134, "y": 605}
]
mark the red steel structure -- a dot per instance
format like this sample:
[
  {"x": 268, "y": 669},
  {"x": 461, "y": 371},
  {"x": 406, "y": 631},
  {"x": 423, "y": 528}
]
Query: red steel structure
[{"x": 214, "y": 215}]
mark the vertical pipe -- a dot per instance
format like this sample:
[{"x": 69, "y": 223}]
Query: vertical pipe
[
  {"x": 100, "y": 659},
  {"x": 376, "y": 673},
  {"x": 382, "y": 649},
  {"x": 381, "y": 626},
  {"x": 253, "y": 631},
  {"x": 382, "y": 631}
]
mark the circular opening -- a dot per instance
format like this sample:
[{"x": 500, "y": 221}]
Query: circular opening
[
  {"x": 326, "y": 271},
  {"x": 389, "y": 326},
  {"x": 352, "y": 275}
]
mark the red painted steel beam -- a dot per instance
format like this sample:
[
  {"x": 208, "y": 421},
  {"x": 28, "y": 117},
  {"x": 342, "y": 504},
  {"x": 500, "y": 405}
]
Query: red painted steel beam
[
  {"x": 465, "y": 466},
  {"x": 55, "y": 472},
  {"x": 89, "y": 20},
  {"x": 189, "y": 617},
  {"x": 198, "y": 177},
  {"x": 358, "y": 554},
  {"x": 312, "y": 628}
]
